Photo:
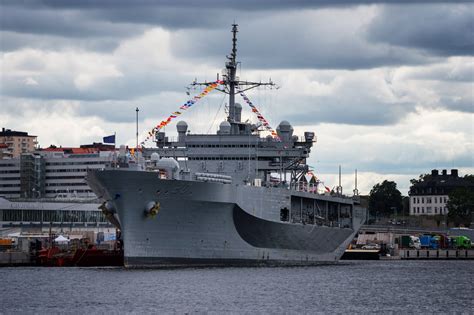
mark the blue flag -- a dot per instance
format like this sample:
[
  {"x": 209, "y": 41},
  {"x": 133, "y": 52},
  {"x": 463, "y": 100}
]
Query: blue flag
[{"x": 109, "y": 139}]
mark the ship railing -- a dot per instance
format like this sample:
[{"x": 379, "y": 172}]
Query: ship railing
[{"x": 305, "y": 187}]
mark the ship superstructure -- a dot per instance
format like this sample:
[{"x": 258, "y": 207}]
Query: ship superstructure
[{"x": 232, "y": 197}]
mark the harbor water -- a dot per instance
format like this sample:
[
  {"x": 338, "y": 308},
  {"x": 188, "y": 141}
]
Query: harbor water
[{"x": 350, "y": 286}]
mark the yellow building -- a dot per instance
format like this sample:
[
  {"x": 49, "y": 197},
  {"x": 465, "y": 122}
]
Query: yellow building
[{"x": 14, "y": 143}]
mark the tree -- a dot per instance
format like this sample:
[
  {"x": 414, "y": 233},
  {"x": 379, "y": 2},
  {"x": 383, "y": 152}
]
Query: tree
[
  {"x": 420, "y": 179},
  {"x": 461, "y": 206},
  {"x": 384, "y": 199},
  {"x": 469, "y": 178},
  {"x": 405, "y": 205}
]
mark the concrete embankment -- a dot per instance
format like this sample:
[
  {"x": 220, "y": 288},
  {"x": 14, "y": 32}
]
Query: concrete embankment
[
  {"x": 436, "y": 253},
  {"x": 14, "y": 259},
  {"x": 410, "y": 254}
]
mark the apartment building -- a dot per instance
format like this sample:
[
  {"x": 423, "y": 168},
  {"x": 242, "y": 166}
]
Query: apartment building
[
  {"x": 14, "y": 143},
  {"x": 53, "y": 172}
]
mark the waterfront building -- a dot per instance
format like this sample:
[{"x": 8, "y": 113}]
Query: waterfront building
[
  {"x": 14, "y": 143},
  {"x": 53, "y": 172},
  {"x": 10, "y": 184},
  {"x": 430, "y": 195},
  {"x": 43, "y": 215},
  {"x": 45, "y": 189}
]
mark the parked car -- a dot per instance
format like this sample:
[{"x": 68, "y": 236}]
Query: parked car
[{"x": 371, "y": 246}]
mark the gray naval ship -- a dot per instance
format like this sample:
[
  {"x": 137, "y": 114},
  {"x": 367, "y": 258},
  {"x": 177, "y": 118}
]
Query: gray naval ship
[{"x": 232, "y": 198}]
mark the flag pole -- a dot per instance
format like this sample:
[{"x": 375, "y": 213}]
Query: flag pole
[{"x": 137, "y": 127}]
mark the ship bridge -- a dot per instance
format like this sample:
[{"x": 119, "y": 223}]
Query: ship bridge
[{"x": 244, "y": 156}]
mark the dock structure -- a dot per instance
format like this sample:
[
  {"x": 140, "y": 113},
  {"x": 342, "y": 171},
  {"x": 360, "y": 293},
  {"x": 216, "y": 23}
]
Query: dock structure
[{"x": 432, "y": 254}]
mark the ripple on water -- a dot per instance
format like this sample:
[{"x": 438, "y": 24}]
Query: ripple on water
[{"x": 356, "y": 287}]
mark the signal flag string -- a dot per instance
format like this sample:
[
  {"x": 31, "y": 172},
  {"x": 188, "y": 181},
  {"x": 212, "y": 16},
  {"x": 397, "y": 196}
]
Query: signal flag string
[
  {"x": 265, "y": 123},
  {"x": 183, "y": 107}
]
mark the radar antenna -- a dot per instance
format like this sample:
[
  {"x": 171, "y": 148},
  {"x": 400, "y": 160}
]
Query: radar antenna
[{"x": 230, "y": 81}]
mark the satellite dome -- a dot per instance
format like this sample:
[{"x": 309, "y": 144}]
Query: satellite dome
[
  {"x": 168, "y": 164},
  {"x": 155, "y": 157},
  {"x": 224, "y": 127},
  {"x": 285, "y": 126},
  {"x": 182, "y": 126}
]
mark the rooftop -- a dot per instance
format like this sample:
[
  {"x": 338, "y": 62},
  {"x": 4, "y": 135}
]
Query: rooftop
[
  {"x": 12, "y": 133},
  {"x": 83, "y": 149},
  {"x": 436, "y": 183}
]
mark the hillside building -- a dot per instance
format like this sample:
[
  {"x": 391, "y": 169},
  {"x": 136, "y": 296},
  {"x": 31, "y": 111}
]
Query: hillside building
[{"x": 429, "y": 196}]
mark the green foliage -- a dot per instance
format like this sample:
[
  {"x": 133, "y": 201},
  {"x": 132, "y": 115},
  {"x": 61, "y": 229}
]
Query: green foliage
[
  {"x": 461, "y": 205},
  {"x": 385, "y": 199},
  {"x": 405, "y": 205},
  {"x": 469, "y": 178},
  {"x": 420, "y": 179}
]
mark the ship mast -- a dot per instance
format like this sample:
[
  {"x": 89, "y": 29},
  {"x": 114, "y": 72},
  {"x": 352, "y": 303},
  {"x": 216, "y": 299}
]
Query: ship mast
[
  {"x": 230, "y": 82},
  {"x": 231, "y": 67}
]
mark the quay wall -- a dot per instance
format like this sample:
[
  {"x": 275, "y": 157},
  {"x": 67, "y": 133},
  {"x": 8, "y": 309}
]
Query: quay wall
[
  {"x": 412, "y": 254},
  {"x": 14, "y": 259}
]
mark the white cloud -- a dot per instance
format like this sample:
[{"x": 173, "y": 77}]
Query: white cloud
[{"x": 30, "y": 81}]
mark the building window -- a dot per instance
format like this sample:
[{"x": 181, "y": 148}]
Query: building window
[
  {"x": 428, "y": 199},
  {"x": 436, "y": 200},
  {"x": 422, "y": 209},
  {"x": 428, "y": 209},
  {"x": 436, "y": 210},
  {"x": 422, "y": 200}
]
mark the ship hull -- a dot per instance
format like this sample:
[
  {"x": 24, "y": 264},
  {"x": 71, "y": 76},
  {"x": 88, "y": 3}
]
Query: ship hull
[{"x": 210, "y": 224}]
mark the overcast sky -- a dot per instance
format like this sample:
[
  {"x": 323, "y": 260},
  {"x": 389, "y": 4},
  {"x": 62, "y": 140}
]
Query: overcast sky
[{"x": 387, "y": 86}]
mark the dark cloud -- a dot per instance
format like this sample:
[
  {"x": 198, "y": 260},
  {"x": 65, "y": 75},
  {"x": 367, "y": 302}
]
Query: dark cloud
[
  {"x": 299, "y": 39},
  {"x": 67, "y": 23},
  {"x": 346, "y": 109},
  {"x": 240, "y": 5},
  {"x": 63, "y": 86},
  {"x": 11, "y": 41},
  {"x": 445, "y": 30},
  {"x": 309, "y": 40}
]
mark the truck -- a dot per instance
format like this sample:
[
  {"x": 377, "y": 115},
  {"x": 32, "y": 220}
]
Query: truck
[
  {"x": 461, "y": 242},
  {"x": 429, "y": 241},
  {"x": 410, "y": 241}
]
